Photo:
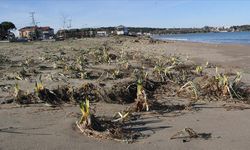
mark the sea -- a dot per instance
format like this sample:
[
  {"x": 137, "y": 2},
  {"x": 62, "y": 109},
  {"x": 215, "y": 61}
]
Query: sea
[{"x": 220, "y": 37}]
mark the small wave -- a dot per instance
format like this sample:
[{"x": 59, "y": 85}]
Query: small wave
[
  {"x": 174, "y": 39},
  {"x": 230, "y": 37}
]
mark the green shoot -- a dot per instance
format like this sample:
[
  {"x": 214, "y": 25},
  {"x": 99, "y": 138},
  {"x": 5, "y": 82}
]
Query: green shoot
[
  {"x": 142, "y": 102},
  {"x": 190, "y": 86},
  {"x": 85, "y": 119},
  {"x": 38, "y": 87},
  {"x": 16, "y": 89},
  {"x": 199, "y": 70}
]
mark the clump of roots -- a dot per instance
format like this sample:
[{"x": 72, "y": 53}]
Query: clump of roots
[
  {"x": 122, "y": 93},
  {"x": 46, "y": 95},
  {"x": 64, "y": 93},
  {"x": 103, "y": 128},
  {"x": 126, "y": 92},
  {"x": 22, "y": 97},
  {"x": 87, "y": 90},
  {"x": 219, "y": 87},
  {"x": 141, "y": 100},
  {"x": 222, "y": 87}
]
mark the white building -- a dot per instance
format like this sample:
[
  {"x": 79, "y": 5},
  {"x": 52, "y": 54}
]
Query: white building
[
  {"x": 121, "y": 30},
  {"x": 101, "y": 33}
]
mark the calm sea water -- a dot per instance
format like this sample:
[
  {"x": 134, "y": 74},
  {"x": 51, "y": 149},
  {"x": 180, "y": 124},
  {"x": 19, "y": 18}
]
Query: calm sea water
[{"x": 222, "y": 37}]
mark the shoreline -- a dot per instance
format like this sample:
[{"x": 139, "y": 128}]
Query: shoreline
[
  {"x": 200, "y": 42},
  {"x": 206, "y": 38}
]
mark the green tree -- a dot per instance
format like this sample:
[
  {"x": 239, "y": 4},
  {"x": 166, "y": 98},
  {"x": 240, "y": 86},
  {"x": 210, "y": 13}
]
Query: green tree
[{"x": 5, "y": 28}]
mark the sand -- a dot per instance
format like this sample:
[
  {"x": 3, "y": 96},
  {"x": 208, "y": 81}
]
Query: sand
[{"x": 41, "y": 127}]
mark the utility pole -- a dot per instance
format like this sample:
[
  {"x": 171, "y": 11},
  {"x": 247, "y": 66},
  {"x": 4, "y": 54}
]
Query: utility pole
[
  {"x": 64, "y": 21},
  {"x": 33, "y": 21},
  {"x": 69, "y": 25}
]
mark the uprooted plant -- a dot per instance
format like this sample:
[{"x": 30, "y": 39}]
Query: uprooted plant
[
  {"x": 141, "y": 100},
  {"x": 46, "y": 95},
  {"x": 190, "y": 88},
  {"x": 229, "y": 87},
  {"x": 103, "y": 128},
  {"x": 89, "y": 91},
  {"x": 22, "y": 97},
  {"x": 199, "y": 70},
  {"x": 85, "y": 121},
  {"x": 216, "y": 87}
]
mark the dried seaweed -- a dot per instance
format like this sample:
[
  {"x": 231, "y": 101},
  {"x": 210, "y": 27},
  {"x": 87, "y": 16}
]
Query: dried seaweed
[
  {"x": 189, "y": 133},
  {"x": 87, "y": 90}
]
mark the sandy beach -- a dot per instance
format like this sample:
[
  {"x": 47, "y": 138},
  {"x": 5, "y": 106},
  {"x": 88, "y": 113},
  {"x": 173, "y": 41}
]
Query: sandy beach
[{"x": 38, "y": 126}]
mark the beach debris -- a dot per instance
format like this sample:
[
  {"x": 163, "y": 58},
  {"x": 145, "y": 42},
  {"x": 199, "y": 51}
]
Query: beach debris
[
  {"x": 172, "y": 74},
  {"x": 188, "y": 133},
  {"x": 22, "y": 97},
  {"x": 234, "y": 106},
  {"x": 190, "y": 87},
  {"x": 60, "y": 95},
  {"x": 141, "y": 100},
  {"x": 103, "y": 128},
  {"x": 199, "y": 70},
  {"x": 122, "y": 92},
  {"x": 116, "y": 74},
  {"x": 65, "y": 93},
  {"x": 185, "y": 133},
  {"x": 89, "y": 91},
  {"x": 4, "y": 59},
  {"x": 85, "y": 121},
  {"x": 46, "y": 95},
  {"x": 218, "y": 87},
  {"x": 121, "y": 116},
  {"x": 145, "y": 82},
  {"x": 209, "y": 65}
]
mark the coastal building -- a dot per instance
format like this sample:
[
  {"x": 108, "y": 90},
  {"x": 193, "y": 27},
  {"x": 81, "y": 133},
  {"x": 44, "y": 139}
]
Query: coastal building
[
  {"x": 139, "y": 33},
  {"x": 147, "y": 34},
  {"x": 121, "y": 30},
  {"x": 35, "y": 32},
  {"x": 46, "y": 32},
  {"x": 101, "y": 33},
  {"x": 77, "y": 33}
]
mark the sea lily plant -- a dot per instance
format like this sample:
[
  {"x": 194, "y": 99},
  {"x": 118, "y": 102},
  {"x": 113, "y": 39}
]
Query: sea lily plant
[
  {"x": 199, "y": 70},
  {"x": 229, "y": 87},
  {"x": 85, "y": 121},
  {"x": 141, "y": 100}
]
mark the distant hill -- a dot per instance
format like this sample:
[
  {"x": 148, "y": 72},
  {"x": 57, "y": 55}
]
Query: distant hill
[
  {"x": 92, "y": 32},
  {"x": 241, "y": 28}
]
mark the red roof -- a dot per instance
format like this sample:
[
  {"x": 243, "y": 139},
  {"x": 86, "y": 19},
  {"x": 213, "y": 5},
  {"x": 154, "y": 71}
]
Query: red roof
[
  {"x": 31, "y": 28},
  {"x": 45, "y": 28}
]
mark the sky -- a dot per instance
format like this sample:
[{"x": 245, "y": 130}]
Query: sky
[{"x": 136, "y": 13}]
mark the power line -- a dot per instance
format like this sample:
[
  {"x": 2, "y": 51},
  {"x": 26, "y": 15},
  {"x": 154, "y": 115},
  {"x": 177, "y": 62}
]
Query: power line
[
  {"x": 33, "y": 21},
  {"x": 69, "y": 25},
  {"x": 64, "y": 21}
]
